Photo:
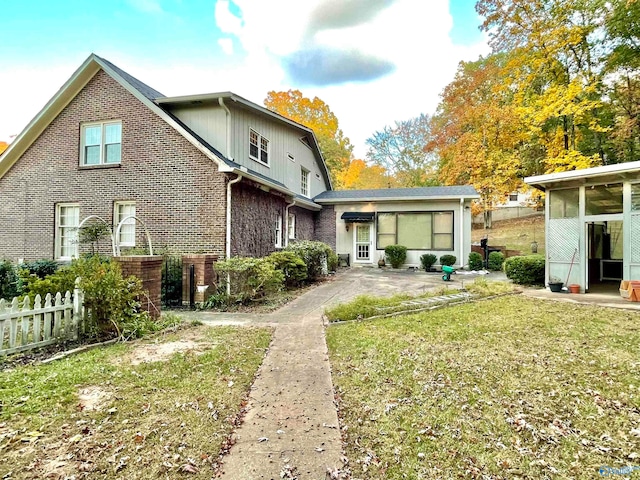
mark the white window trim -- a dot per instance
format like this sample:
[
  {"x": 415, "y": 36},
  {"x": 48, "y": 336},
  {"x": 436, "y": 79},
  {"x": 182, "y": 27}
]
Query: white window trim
[
  {"x": 103, "y": 126},
  {"x": 291, "y": 227},
  {"x": 58, "y": 237},
  {"x": 117, "y": 219},
  {"x": 278, "y": 232},
  {"x": 304, "y": 173},
  {"x": 260, "y": 138}
]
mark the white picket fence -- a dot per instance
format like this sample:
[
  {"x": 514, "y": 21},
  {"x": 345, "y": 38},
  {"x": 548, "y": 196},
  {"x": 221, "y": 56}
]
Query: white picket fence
[{"x": 25, "y": 327}]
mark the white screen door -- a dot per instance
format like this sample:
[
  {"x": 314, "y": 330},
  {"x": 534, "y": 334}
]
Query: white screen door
[{"x": 363, "y": 242}]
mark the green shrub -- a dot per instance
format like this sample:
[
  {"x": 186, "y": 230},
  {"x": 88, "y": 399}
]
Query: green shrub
[
  {"x": 525, "y": 270},
  {"x": 9, "y": 280},
  {"x": 249, "y": 278},
  {"x": 396, "y": 255},
  {"x": 475, "y": 261},
  {"x": 448, "y": 260},
  {"x": 291, "y": 265},
  {"x": 332, "y": 262},
  {"x": 112, "y": 302},
  {"x": 41, "y": 268},
  {"x": 427, "y": 261},
  {"x": 496, "y": 259},
  {"x": 314, "y": 254}
]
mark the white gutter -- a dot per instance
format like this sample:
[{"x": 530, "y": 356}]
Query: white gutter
[
  {"x": 286, "y": 213},
  {"x": 228, "y": 112}
]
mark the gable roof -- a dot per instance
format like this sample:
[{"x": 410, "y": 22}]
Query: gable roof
[
  {"x": 398, "y": 194},
  {"x": 153, "y": 100}
]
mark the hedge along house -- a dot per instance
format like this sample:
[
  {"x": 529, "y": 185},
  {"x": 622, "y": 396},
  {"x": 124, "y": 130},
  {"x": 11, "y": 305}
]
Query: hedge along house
[
  {"x": 592, "y": 220},
  {"x": 433, "y": 220}
]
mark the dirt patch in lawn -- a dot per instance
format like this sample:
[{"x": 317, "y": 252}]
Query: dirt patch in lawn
[
  {"x": 93, "y": 398},
  {"x": 190, "y": 341}
]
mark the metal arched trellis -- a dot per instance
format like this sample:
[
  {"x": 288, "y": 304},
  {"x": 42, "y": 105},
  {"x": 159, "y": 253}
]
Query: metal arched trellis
[{"x": 116, "y": 248}]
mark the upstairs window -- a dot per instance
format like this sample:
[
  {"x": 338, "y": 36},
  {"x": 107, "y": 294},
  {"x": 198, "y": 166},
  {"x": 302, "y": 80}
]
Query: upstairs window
[
  {"x": 304, "y": 182},
  {"x": 121, "y": 211},
  {"x": 101, "y": 144},
  {"x": 258, "y": 147}
]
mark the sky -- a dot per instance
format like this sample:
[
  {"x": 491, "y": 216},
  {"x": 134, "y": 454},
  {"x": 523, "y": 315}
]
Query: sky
[{"x": 373, "y": 62}]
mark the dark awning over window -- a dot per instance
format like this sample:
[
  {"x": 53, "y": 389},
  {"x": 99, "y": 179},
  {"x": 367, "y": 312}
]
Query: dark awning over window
[{"x": 358, "y": 217}]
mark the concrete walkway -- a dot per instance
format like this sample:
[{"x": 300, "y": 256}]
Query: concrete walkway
[{"x": 291, "y": 427}]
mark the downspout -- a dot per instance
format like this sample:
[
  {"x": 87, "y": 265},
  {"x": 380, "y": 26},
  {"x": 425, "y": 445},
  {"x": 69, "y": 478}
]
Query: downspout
[
  {"x": 286, "y": 216},
  {"x": 228, "y": 236},
  {"x": 462, "y": 232},
  {"x": 228, "y": 115}
]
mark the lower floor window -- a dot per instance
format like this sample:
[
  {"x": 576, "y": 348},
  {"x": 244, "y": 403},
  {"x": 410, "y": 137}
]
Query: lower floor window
[
  {"x": 416, "y": 230},
  {"x": 292, "y": 226},
  {"x": 123, "y": 210},
  {"x": 278, "y": 231},
  {"x": 66, "y": 233}
]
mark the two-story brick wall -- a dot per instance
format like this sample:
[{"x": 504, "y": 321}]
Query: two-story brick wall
[{"x": 178, "y": 191}]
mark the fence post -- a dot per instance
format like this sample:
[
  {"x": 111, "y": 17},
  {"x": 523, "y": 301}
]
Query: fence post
[
  {"x": 78, "y": 309},
  {"x": 24, "y": 320}
]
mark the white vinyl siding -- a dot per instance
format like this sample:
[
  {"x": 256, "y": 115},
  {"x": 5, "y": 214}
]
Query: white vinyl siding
[
  {"x": 66, "y": 236},
  {"x": 121, "y": 211},
  {"x": 101, "y": 144}
]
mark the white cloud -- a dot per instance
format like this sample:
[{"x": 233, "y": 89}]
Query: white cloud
[
  {"x": 227, "y": 45},
  {"x": 412, "y": 34}
]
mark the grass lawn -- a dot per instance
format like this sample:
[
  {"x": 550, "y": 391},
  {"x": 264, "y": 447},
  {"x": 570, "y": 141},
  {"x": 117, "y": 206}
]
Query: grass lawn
[
  {"x": 159, "y": 408},
  {"x": 515, "y": 234},
  {"x": 498, "y": 389}
]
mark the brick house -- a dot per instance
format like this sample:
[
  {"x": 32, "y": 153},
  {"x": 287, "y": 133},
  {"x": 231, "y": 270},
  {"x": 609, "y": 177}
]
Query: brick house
[
  {"x": 205, "y": 173},
  {"x": 211, "y": 173}
]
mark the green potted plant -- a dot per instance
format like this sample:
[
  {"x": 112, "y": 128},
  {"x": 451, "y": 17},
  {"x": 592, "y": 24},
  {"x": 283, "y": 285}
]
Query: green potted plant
[{"x": 555, "y": 284}]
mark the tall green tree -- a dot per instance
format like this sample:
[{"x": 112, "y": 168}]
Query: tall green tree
[
  {"x": 401, "y": 151},
  {"x": 314, "y": 113}
]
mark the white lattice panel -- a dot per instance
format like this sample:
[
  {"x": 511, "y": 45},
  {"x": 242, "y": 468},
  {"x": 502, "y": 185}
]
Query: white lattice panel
[
  {"x": 634, "y": 241},
  {"x": 562, "y": 238}
]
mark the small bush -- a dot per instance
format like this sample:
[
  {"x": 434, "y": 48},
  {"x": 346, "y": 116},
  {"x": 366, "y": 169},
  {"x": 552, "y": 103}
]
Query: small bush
[
  {"x": 496, "y": 259},
  {"x": 9, "y": 280},
  {"x": 291, "y": 265},
  {"x": 332, "y": 262},
  {"x": 427, "y": 261},
  {"x": 396, "y": 255},
  {"x": 250, "y": 278},
  {"x": 525, "y": 270},
  {"x": 314, "y": 254},
  {"x": 475, "y": 261},
  {"x": 41, "y": 268},
  {"x": 448, "y": 260}
]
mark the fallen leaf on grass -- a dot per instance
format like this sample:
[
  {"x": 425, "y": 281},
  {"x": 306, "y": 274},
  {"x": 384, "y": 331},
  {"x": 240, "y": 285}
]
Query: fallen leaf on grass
[{"x": 188, "y": 468}]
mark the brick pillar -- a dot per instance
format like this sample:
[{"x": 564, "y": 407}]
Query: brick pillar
[
  {"x": 147, "y": 268},
  {"x": 204, "y": 275}
]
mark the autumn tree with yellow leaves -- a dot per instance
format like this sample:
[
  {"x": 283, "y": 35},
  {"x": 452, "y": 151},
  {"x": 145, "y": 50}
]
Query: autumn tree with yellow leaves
[{"x": 316, "y": 114}]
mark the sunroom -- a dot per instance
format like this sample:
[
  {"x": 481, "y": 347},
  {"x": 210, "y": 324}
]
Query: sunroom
[{"x": 592, "y": 220}]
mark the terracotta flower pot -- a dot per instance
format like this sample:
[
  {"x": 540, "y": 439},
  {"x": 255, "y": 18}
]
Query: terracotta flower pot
[{"x": 574, "y": 288}]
